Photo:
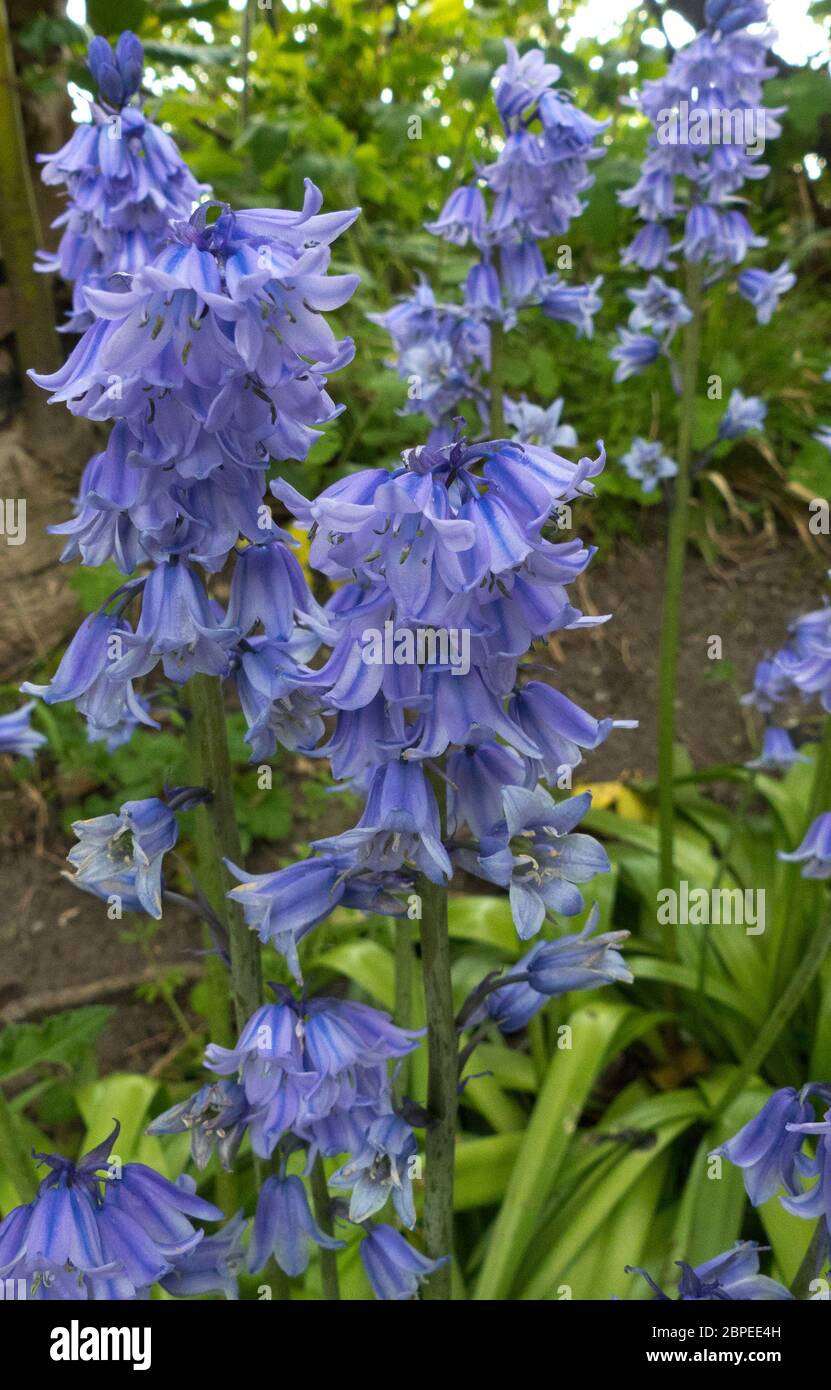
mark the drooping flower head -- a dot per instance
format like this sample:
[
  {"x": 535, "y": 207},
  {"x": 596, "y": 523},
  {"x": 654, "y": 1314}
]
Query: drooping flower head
[
  {"x": 100, "y": 1232},
  {"x": 124, "y": 177}
]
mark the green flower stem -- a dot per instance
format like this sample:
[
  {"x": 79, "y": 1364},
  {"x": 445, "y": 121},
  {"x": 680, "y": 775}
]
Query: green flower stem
[
  {"x": 323, "y": 1216},
  {"x": 15, "y": 1160},
  {"x": 217, "y": 838},
  {"x": 442, "y": 1076},
  {"x": 673, "y": 590},
  {"x": 403, "y": 1006},
  {"x": 786, "y": 1005},
  {"x": 816, "y": 1258},
  {"x": 497, "y": 380}
]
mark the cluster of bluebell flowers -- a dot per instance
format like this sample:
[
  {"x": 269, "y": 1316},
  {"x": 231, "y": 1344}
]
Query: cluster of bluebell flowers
[
  {"x": 97, "y": 1229},
  {"x": 709, "y": 129},
  {"x": 770, "y": 1150},
  {"x": 529, "y": 194},
  {"x": 800, "y": 669},
  {"x": 211, "y": 360},
  {"x": 124, "y": 179},
  {"x": 311, "y": 1076}
]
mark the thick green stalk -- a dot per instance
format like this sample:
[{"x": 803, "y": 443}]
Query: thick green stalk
[
  {"x": 403, "y": 1006},
  {"x": 217, "y": 837},
  {"x": 15, "y": 1160},
  {"x": 497, "y": 381},
  {"x": 787, "y": 1004},
  {"x": 442, "y": 1076},
  {"x": 323, "y": 1216},
  {"x": 816, "y": 1258},
  {"x": 673, "y": 593}
]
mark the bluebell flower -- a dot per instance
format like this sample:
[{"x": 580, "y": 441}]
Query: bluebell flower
[
  {"x": 85, "y": 676},
  {"x": 558, "y": 727},
  {"x": 268, "y": 587},
  {"x": 483, "y": 295},
  {"x": 816, "y": 1201},
  {"x": 579, "y": 962},
  {"x": 815, "y": 851},
  {"x": 216, "y": 1116},
  {"x": 574, "y": 304},
  {"x": 476, "y": 775},
  {"x": 394, "y": 1269},
  {"x": 316, "y": 1068},
  {"x": 212, "y": 1266},
  {"x": 536, "y": 424},
  {"x": 731, "y": 1277},
  {"x": 178, "y": 627},
  {"x": 576, "y": 962},
  {"x": 770, "y": 687},
  {"x": 778, "y": 751},
  {"x": 116, "y": 1234},
  {"x": 709, "y": 128},
  {"x": 17, "y": 735},
  {"x": 650, "y": 249},
  {"x": 764, "y": 289},
  {"x": 399, "y": 826},
  {"x": 284, "y": 1227},
  {"x": 521, "y": 80},
  {"x": 549, "y": 861},
  {"x": 533, "y": 189},
  {"x": 130, "y": 845},
  {"x": 634, "y": 353},
  {"x": 647, "y": 463},
  {"x": 743, "y": 414},
  {"x": 380, "y": 1169},
  {"x": 285, "y": 905},
  {"x": 767, "y": 1150},
  {"x": 658, "y": 306},
  {"x": 462, "y": 218},
  {"x": 730, "y": 15},
  {"x": 117, "y": 74}
]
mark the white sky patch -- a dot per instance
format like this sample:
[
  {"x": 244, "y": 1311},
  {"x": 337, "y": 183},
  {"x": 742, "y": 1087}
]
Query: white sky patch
[{"x": 800, "y": 37}]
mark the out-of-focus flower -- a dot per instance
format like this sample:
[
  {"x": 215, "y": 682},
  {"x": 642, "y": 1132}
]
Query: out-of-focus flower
[
  {"x": 647, "y": 463},
  {"x": 764, "y": 289},
  {"x": 743, "y": 414},
  {"x": 815, "y": 851},
  {"x": 17, "y": 735}
]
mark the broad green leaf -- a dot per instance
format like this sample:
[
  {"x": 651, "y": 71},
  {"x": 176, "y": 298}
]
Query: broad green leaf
[
  {"x": 483, "y": 1169},
  {"x": 127, "y": 1098},
  {"x": 571, "y": 1075},
  {"x": 588, "y": 1208},
  {"x": 484, "y": 919},
  {"x": 368, "y": 964}
]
